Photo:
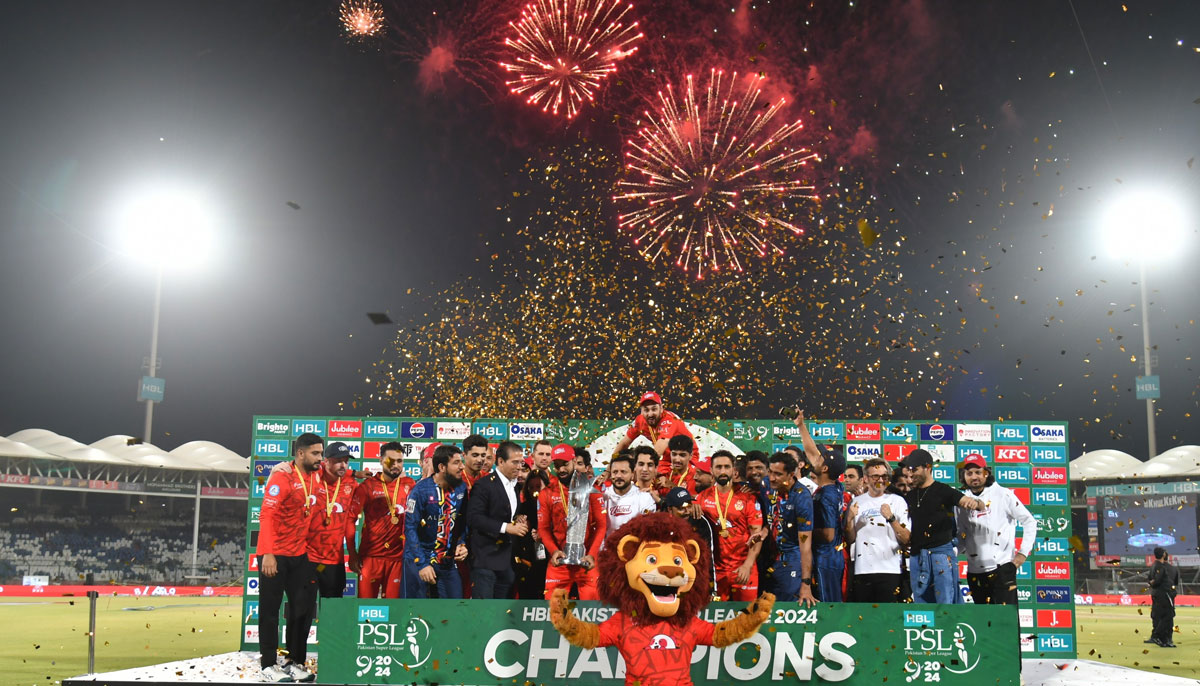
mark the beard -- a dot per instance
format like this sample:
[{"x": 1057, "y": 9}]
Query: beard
[
  {"x": 452, "y": 481},
  {"x": 723, "y": 480}
]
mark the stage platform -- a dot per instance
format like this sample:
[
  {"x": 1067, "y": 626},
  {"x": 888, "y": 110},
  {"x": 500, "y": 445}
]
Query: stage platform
[{"x": 239, "y": 669}]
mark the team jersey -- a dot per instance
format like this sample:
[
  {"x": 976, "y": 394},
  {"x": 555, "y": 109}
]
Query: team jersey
[
  {"x": 470, "y": 480},
  {"x": 382, "y": 506},
  {"x": 828, "y": 505},
  {"x": 743, "y": 515},
  {"x": 668, "y": 425},
  {"x": 328, "y": 520},
  {"x": 658, "y": 654},
  {"x": 790, "y": 515},
  {"x": 552, "y": 519},
  {"x": 288, "y": 502},
  {"x": 622, "y": 508},
  {"x": 687, "y": 480},
  {"x": 432, "y": 526}
]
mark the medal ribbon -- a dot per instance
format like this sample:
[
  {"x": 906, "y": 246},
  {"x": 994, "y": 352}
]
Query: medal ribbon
[
  {"x": 304, "y": 486},
  {"x": 444, "y": 525},
  {"x": 391, "y": 497},
  {"x": 721, "y": 512}
]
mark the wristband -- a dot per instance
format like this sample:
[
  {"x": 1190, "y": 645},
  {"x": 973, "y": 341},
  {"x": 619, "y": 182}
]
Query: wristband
[
  {"x": 890, "y": 520},
  {"x": 806, "y": 580}
]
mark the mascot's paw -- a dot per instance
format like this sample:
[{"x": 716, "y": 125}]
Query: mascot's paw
[
  {"x": 745, "y": 625},
  {"x": 577, "y": 632}
]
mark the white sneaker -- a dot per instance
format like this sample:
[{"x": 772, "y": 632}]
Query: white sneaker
[
  {"x": 299, "y": 673},
  {"x": 276, "y": 675}
]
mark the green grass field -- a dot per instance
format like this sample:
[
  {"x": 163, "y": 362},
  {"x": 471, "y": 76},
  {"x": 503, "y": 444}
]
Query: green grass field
[{"x": 44, "y": 640}]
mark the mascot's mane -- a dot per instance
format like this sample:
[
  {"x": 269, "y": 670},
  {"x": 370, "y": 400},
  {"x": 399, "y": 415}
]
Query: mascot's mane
[{"x": 663, "y": 527}]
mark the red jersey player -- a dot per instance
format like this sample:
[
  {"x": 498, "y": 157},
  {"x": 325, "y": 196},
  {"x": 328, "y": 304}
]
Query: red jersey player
[
  {"x": 657, "y": 425},
  {"x": 682, "y": 472},
  {"x": 291, "y": 496},
  {"x": 738, "y": 520},
  {"x": 379, "y": 559},
  {"x": 475, "y": 457},
  {"x": 327, "y": 522},
  {"x": 552, "y": 527}
]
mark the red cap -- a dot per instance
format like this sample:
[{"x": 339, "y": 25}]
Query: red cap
[
  {"x": 529, "y": 462},
  {"x": 427, "y": 453},
  {"x": 562, "y": 453},
  {"x": 650, "y": 397},
  {"x": 703, "y": 463},
  {"x": 974, "y": 460}
]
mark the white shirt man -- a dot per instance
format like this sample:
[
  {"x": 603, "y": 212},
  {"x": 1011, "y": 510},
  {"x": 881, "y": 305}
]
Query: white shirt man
[
  {"x": 877, "y": 527},
  {"x": 624, "y": 502},
  {"x": 988, "y": 536}
]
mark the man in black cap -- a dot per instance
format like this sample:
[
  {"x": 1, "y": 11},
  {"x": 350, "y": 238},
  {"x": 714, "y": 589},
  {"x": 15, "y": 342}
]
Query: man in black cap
[
  {"x": 1164, "y": 584},
  {"x": 933, "y": 563},
  {"x": 828, "y": 505},
  {"x": 678, "y": 501}
]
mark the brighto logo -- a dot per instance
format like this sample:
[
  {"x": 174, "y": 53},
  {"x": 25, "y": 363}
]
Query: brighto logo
[
  {"x": 273, "y": 427},
  {"x": 406, "y": 642}
]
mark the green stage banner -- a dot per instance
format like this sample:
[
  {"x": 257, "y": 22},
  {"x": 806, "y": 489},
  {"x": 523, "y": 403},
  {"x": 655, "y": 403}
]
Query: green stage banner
[{"x": 491, "y": 642}]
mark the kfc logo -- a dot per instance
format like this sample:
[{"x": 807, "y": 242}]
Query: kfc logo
[{"x": 1012, "y": 453}]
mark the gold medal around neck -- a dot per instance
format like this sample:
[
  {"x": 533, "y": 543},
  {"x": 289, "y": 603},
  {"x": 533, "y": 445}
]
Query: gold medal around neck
[
  {"x": 395, "y": 519},
  {"x": 724, "y": 533}
]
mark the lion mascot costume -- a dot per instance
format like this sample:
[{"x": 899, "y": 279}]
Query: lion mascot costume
[{"x": 655, "y": 571}]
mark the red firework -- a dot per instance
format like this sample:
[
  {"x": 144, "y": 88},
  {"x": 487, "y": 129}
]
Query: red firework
[
  {"x": 362, "y": 19},
  {"x": 712, "y": 173},
  {"x": 564, "y": 49}
]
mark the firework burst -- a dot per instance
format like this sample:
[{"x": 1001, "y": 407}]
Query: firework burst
[
  {"x": 362, "y": 19},
  {"x": 564, "y": 49},
  {"x": 711, "y": 173}
]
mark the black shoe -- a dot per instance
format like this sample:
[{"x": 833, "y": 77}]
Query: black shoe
[
  {"x": 1150, "y": 640},
  {"x": 1167, "y": 645}
]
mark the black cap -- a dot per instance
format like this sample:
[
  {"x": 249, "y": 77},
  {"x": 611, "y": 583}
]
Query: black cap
[
  {"x": 337, "y": 451},
  {"x": 834, "y": 460},
  {"x": 917, "y": 458},
  {"x": 677, "y": 497}
]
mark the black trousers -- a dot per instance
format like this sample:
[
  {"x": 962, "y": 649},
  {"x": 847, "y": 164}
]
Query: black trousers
[
  {"x": 294, "y": 578},
  {"x": 876, "y": 588},
  {"x": 997, "y": 587},
  {"x": 1162, "y": 615},
  {"x": 492, "y": 583},
  {"x": 330, "y": 577}
]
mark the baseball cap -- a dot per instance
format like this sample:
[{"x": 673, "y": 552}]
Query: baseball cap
[
  {"x": 974, "y": 460},
  {"x": 834, "y": 460},
  {"x": 562, "y": 453},
  {"x": 427, "y": 453},
  {"x": 651, "y": 397},
  {"x": 529, "y": 461},
  {"x": 337, "y": 451},
  {"x": 917, "y": 458},
  {"x": 703, "y": 463},
  {"x": 677, "y": 497}
]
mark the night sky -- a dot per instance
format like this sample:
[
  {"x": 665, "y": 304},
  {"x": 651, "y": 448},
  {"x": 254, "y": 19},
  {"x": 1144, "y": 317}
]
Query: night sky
[{"x": 980, "y": 141}]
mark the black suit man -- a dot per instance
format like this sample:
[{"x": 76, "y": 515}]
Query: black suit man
[
  {"x": 1164, "y": 584},
  {"x": 491, "y": 511}
]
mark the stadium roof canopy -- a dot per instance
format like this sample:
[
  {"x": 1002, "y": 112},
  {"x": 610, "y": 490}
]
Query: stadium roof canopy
[
  {"x": 121, "y": 450},
  {"x": 1182, "y": 461}
]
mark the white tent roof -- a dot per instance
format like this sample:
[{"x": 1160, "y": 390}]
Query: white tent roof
[
  {"x": 196, "y": 455},
  {"x": 1111, "y": 464}
]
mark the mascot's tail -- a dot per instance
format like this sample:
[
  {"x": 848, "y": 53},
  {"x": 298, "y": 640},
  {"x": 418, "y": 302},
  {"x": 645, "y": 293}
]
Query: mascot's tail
[
  {"x": 585, "y": 634},
  {"x": 737, "y": 629}
]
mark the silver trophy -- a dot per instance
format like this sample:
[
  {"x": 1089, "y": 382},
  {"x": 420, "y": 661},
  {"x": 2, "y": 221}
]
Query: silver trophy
[{"x": 577, "y": 519}]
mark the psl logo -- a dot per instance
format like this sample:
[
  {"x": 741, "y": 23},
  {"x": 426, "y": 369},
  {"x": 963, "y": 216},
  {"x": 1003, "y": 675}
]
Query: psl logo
[
  {"x": 408, "y": 642},
  {"x": 932, "y": 642}
]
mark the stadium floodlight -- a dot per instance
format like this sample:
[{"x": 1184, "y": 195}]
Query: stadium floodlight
[
  {"x": 1148, "y": 226},
  {"x": 166, "y": 228}
]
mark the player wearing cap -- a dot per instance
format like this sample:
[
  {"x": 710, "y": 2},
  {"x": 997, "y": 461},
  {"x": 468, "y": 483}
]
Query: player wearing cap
[
  {"x": 704, "y": 472},
  {"x": 290, "y": 498},
  {"x": 552, "y": 527},
  {"x": 828, "y": 505},
  {"x": 790, "y": 522},
  {"x": 989, "y": 536},
  {"x": 933, "y": 567},
  {"x": 427, "y": 460},
  {"x": 381, "y": 500},
  {"x": 657, "y": 425},
  {"x": 877, "y": 526},
  {"x": 738, "y": 520},
  {"x": 680, "y": 503},
  {"x": 331, "y": 529},
  {"x": 433, "y": 529}
]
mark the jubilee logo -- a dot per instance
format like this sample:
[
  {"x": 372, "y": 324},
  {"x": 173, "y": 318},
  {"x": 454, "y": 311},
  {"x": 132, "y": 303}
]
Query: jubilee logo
[
  {"x": 937, "y": 432},
  {"x": 1047, "y": 433},
  {"x": 862, "y": 432},
  {"x": 1053, "y": 570},
  {"x": 308, "y": 426},
  {"x": 376, "y": 428},
  {"x": 345, "y": 429},
  {"x": 1052, "y": 476},
  {"x": 1012, "y": 453},
  {"x": 1010, "y": 433}
]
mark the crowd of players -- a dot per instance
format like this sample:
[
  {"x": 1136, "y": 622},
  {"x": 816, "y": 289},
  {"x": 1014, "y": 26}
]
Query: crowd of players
[{"x": 491, "y": 522}]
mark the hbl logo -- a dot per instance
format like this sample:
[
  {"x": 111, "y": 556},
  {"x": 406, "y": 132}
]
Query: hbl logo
[
  {"x": 1049, "y": 496},
  {"x": 269, "y": 447},
  {"x": 1055, "y": 643},
  {"x": 374, "y": 428},
  {"x": 373, "y": 613},
  {"x": 308, "y": 426}
]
